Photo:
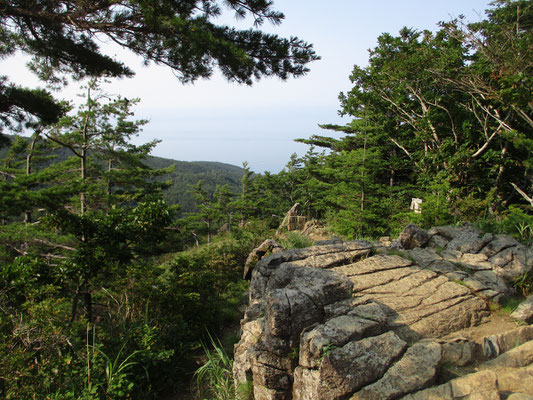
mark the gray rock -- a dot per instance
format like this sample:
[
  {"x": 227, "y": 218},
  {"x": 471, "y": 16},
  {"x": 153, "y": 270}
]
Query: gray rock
[
  {"x": 416, "y": 370},
  {"x": 324, "y": 323},
  {"x": 476, "y": 262},
  {"x": 466, "y": 241},
  {"x": 524, "y": 312},
  {"x": 515, "y": 380},
  {"x": 252, "y": 333},
  {"x": 451, "y": 255},
  {"x": 437, "y": 242},
  {"x": 335, "y": 332},
  {"x": 479, "y": 386},
  {"x": 520, "y": 396},
  {"x": 269, "y": 246},
  {"x": 345, "y": 370},
  {"x": 424, "y": 257},
  {"x": 446, "y": 232},
  {"x": 333, "y": 259},
  {"x": 488, "y": 284},
  {"x": 445, "y": 267},
  {"x": 497, "y": 244},
  {"x": 271, "y": 371},
  {"x": 264, "y": 393},
  {"x": 513, "y": 262},
  {"x": 458, "y": 351},
  {"x": 306, "y": 384},
  {"x": 292, "y": 220},
  {"x": 412, "y": 236},
  {"x": 418, "y": 302}
]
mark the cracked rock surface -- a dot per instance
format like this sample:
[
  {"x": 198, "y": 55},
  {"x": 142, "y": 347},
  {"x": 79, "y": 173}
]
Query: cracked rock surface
[{"x": 357, "y": 320}]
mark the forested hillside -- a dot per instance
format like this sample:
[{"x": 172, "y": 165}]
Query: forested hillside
[
  {"x": 107, "y": 290},
  {"x": 188, "y": 173},
  {"x": 181, "y": 176}
]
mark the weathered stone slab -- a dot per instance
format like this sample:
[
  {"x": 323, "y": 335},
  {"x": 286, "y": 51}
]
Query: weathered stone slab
[
  {"x": 252, "y": 333},
  {"x": 466, "y": 241},
  {"x": 332, "y": 259},
  {"x": 315, "y": 321},
  {"x": 416, "y": 370},
  {"x": 335, "y": 332},
  {"x": 519, "y": 396},
  {"x": 269, "y": 246},
  {"x": 458, "y": 351},
  {"x": 412, "y": 236},
  {"x": 476, "y": 262},
  {"x": 497, "y": 244},
  {"x": 479, "y": 386},
  {"x": 374, "y": 264},
  {"x": 347, "y": 369},
  {"x": 424, "y": 257},
  {"x": 516, "y": 380}
]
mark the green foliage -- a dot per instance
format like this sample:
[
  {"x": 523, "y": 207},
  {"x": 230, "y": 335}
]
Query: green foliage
[
  {"x": 517, "y": 222},
  {"x": 326, "y": 352}
]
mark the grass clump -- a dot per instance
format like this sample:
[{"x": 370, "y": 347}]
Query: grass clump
[
  {"x": 507, "y": 306},
  {"x": 524, "y": 283},
  {"x": 295, "y": 240}
]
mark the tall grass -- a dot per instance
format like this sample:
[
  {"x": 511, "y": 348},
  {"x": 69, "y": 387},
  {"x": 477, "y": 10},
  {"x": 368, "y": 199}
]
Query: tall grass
[
  {"x": 214, "y": 379},
  {"x": 295, "y": 240}
]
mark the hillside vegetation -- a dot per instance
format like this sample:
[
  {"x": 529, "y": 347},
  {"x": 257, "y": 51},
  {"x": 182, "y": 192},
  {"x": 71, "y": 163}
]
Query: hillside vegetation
[{"x": 181, "y": 176}]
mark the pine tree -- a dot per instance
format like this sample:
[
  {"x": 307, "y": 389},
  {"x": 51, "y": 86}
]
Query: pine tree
[{"x": 63, "y": 36}]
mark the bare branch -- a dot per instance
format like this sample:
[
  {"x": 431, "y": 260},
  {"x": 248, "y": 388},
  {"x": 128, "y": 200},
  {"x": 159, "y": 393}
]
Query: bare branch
[{"x": 522, "y": 193}]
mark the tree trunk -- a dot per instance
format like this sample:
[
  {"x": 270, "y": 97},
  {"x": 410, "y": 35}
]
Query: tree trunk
[{"x": 29, "y": 157}]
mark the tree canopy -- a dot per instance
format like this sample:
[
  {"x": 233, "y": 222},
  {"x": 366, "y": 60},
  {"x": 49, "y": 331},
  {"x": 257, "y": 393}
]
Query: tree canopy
[{"x": 62, "y": 37}]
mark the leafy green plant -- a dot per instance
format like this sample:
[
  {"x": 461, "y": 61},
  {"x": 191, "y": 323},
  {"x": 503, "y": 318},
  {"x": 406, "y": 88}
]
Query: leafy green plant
[
  {"x": 515, "y": 222},
  {"x": 214, "y": 379},
  {"x": 116, "y": 373},
  {"x": 326, "y": 351}
]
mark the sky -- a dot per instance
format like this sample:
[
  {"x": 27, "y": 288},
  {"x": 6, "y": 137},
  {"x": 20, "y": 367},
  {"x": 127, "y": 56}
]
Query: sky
[{"x": 214, "y": 120}]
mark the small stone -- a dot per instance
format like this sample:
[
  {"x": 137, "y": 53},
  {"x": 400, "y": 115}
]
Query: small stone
[{"x": 524, "y": 312}]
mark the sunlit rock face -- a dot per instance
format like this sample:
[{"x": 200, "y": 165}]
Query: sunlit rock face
[{"x": 363, "y": 321}]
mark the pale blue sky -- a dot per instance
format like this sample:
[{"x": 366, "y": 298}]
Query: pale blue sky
[{"x": 214, "y": 120}]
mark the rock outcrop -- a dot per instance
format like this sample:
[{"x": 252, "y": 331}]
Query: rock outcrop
[
  {"x": 358, "y": 320},
  {"x": 293, "y": 221}
]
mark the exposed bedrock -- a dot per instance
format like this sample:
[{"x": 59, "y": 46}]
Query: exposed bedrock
[{"x": 357, "y": 320}]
